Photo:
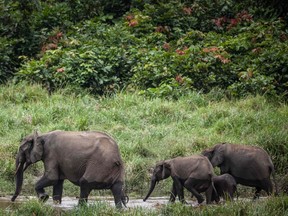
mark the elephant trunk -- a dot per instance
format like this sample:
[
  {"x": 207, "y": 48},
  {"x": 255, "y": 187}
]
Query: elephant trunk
[
  {"x": 125, "y": 200},
  {"x": 152, "y": 186},
  {"x": 18, "y": 177}
]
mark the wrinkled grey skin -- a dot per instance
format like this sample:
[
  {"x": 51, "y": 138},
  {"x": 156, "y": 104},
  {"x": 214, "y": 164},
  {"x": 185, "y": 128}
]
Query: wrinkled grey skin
[
  {"x": 225, "y": 186},
  {"x": 88, "y": 159},
  {"x": 194, "y": 173},
  {"x": 249, "y": 165}
]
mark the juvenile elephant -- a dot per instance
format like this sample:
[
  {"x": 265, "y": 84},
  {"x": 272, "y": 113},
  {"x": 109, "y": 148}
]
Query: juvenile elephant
[
  {"x": 194, "y": 173},
  {"x": 225, "y": 186},
  {"x": 249, "y": 165},
  {"x": 88, "y": 159}
]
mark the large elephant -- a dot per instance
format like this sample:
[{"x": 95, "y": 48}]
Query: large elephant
[
  {"x": 225, "y": 186},
  {"x": 194, "y": 173},
  {"x": 88, "y": 159},
  {"x": 249, "y": 165}
]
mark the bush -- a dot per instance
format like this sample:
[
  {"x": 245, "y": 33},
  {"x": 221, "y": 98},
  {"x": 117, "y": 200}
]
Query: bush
[
  {"x": 89, "y": 64},
  {"x": 8, "y": 62},
  {"x": 165, "y": 49}
]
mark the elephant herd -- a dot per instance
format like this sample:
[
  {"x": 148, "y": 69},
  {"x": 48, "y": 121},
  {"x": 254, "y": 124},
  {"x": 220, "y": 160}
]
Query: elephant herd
[{"x": 92, "y": 160}]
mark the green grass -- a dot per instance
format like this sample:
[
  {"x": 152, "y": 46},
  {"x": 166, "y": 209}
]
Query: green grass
[
  {"x": 271, "y": 206},
  {"x": 147, "y": 130}
]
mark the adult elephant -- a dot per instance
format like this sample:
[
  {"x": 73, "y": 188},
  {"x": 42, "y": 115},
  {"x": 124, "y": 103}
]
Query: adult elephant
[
  {"x": 88, "y": 159},
  {"x": 194, "y": 173},
  {"x": 249, "y": 165}
]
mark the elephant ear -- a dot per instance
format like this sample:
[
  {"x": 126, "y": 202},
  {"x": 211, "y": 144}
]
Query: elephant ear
[
  {"x": 26, "y": 144},
  {"x": 37, "y": 151},
  {"x": 25, "y": 149},
  {"x": 217, "y": 155},
  {"x": 166, "y": 171}
]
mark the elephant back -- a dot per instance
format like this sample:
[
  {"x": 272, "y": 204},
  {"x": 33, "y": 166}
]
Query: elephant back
[{"x": 194, "y": 166}]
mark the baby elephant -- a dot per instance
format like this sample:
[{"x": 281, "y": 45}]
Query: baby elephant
[
  {"x": 225, "y": 186},
  {"x": 193, "y": 173}
]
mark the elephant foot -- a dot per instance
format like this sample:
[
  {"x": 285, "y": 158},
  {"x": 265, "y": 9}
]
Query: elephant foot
[
  {"x": 184, "y": 202},
  {"x": 256, "y": 197},
  {"x": 43, "y": 197},
  {"x": 57, "y": 200},
  {"x": 200, "y": 200},
  {"x": 82, "y": 201},
  {"x": 171, "y": 200}
]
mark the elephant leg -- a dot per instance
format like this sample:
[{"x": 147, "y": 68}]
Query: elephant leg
[
  {"x": 231, "y": 196},
  {"x": 257, "y": 193},
  {"x": 84, "y": 193},
  {"x": 41, "y": 184},
  {"x": 117, "y": 193},
  {"x": 210, "y": 195},
  {"x": 179, "y": 190},
  {"x": 214, "y": 197},
  {"x": 189, "y": 185},
  {"x": 57, "y": 192},
  {"x": 268, "y": 186},
  {"x": 173, "y": 193},
  {"x": 231, "y": 193},
  {"x": 85, "y": 190}
]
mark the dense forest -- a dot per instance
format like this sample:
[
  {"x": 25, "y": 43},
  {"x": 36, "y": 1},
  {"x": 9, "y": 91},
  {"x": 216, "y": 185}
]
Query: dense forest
[{"x": 164, "y": 48}]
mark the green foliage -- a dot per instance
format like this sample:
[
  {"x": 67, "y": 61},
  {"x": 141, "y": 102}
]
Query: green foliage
[
  {"x": 277, "y": 206},
  {"x": 160, "y": 49},
  {"x": 164, "y": 69},
  {"x": 103, "y": 208},
  {"x": 147, "y": 129},
  {"x": 27, "y": 25},
  {"x": 78, "y": 62},
  {"x": 165, "y": 49},
  {"x": 7, "y": 60},
  {"x": 85, "y": 9},
  {"x": 34, "y": 207}
]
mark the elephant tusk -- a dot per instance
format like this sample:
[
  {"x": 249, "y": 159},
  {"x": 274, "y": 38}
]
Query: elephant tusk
[
  {"x": 26, "y": 166},
  {"x": 127, "y": 199},
  {"x": 17, "y": 168}
]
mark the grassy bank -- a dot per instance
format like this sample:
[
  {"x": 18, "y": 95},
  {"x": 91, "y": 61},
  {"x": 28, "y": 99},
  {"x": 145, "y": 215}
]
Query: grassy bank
[
  {"x": 147, "y": 130},
  {"x": 267, "y": 207}
]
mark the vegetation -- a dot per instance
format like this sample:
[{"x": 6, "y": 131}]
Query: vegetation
[
  {"x": 164, "y": 48},
  {"x": 272, "y": 206},
  {"x": 164, "y": 78},
  {"x": 147, "y": 129}
]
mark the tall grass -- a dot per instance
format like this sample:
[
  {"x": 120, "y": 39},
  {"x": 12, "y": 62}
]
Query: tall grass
[{"x": 147, "y": 129}]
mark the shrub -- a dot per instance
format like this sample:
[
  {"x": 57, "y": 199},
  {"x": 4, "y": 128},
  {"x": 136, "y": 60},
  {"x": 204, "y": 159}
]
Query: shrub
[
  {"x": 8, "y": 62},
  {"x": 165, "y": 49},
  {"x": 90, "y": 64}
]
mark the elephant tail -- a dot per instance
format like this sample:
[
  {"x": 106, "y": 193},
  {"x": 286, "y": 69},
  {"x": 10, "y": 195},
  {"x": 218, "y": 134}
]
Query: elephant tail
[
  {"x": 211, "y": 192},
  {"x": 213, "y": 187},
  {"x": 117, "y": 172}
]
